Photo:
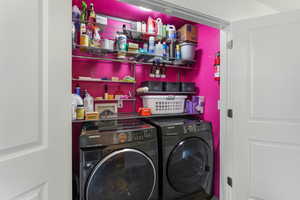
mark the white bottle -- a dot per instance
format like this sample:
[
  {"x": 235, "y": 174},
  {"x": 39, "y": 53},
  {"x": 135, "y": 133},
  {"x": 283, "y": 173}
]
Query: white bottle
[
  {"x": 159, "y": 27},
  {"x": 151, "y": 45},
  {"x": 76, "y": 100},
  {"x": 159, "y": 51},
  {"x": 88, "y": 103},
  {"x": 144, "y": 27}
]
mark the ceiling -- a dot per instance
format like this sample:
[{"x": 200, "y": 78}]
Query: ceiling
[
  {"x": 282, "y": 5},
  {"x": 233, "y": 10}
]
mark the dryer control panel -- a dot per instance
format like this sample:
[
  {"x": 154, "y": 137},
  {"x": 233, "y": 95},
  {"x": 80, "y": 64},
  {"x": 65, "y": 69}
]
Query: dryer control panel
[{"x": 196, "y": 127}]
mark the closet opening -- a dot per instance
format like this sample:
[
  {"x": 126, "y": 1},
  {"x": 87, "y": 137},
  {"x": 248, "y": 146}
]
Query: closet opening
[{"x": 145, "y": 109}]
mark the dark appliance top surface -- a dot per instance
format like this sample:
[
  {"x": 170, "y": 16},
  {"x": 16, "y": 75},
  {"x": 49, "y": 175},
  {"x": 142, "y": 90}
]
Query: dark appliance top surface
[
  {"x": 163, "y": 122},
  {"x": 99, "y": 134},
  {"x": 116, "y": 125}
]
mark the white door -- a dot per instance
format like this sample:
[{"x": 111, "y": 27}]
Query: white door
[
  {"x": 35, "y": 133},
  {"x": 265, "y": 71}
]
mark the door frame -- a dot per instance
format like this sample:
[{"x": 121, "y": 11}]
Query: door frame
[{"x": 226, "y": 131}]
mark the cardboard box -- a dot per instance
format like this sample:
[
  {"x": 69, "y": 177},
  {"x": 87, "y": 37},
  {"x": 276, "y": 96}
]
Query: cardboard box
[{"x": 188, "y": 32}]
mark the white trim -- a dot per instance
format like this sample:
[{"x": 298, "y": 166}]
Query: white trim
[
  {"x": 226, "y": 131},
  {"x": 180, "y": 12}
]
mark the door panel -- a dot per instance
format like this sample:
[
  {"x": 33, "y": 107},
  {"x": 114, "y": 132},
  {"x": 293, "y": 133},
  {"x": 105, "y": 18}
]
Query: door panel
[
  {"x": 35, "y": 134},
  {"x": 265, "y": 67},
  {"x": 22, "y": 63},
  {"x": 274, "y": 72}
]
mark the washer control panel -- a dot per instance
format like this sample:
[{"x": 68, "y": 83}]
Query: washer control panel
[
  {"x": 143, "y": 135},
  {"x": 105, "y": 138}
]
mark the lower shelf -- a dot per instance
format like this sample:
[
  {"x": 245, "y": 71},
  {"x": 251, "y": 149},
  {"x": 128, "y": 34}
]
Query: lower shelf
[{"x": 135, "y": 116}]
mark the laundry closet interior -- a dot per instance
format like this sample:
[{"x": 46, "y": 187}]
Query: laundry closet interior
[{"x": 137, "y": 73}]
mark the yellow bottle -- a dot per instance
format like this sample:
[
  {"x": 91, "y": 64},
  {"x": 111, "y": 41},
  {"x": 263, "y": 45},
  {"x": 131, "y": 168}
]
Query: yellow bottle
[{"x": 80, "y": 112}]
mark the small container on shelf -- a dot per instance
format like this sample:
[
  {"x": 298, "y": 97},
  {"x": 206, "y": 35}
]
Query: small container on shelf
[
  {"x": 187, "y": 87},
  {"x": 171, "y": 86},
  {"x": 154, "y": 86},
  {"x": 92, "y": 116}
]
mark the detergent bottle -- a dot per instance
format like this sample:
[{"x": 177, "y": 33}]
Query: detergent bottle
[{"x": 151, "y": 25}]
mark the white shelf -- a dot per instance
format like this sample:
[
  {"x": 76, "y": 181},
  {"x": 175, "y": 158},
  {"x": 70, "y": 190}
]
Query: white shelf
[{"x": 102, "y": 81}]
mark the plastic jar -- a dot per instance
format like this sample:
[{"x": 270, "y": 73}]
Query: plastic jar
[{"x": 80, "y": 112}]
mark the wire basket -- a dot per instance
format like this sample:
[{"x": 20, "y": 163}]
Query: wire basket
[{"x": 164, "y": 104}]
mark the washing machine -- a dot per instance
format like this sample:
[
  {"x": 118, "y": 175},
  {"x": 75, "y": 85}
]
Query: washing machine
[
  {"x": 118, "y": 160},
  {"x": 186, "y": 157}
]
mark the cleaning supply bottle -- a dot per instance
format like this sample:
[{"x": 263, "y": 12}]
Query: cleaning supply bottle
[
  {"x": 84, "y": 38},
  {"x": 151, "y": 45},
  {"x": 159, "y": 49},
  {"x": 92, "y": 14},
  {"x": 165, "y": 49},
  {"x": 83, "y": 16},
  {"x": 151, "y": 25},
  {"x": 178, "y": 53},
  {"x": 96, "y": 37},
  {"x": 144, "y": 27},
  {"x": 159, "y": 28},
  {"x": 171, "y": 32},
  {"x": 76, "y": 101},
  {"x": 77, "y": 89},
  {"x": 88, "y": 102},
  {"x": 164, "y": 32},
  {"x": 106, "y": 92}
]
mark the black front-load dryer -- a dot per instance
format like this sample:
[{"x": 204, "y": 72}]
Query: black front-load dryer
[
  {"x": 118, "y": 161},
  {"x": 186, "y": 157}
]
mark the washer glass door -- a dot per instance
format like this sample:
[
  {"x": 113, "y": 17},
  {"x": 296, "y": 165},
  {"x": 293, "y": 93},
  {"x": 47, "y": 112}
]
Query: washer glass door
[
  {"x": 127, "y": 174},
  {"x": 188, "y": 166}
]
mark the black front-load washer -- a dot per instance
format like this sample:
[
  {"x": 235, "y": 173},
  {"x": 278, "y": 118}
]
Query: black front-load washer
[
  {"x": 186, "y": 157},
  {"x": 118, "y": 160}
]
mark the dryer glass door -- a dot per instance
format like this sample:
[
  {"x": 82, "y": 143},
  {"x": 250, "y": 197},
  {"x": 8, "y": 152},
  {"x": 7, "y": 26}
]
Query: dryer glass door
[
  {"x": 189, "y": 167},
  {"x": 127, "y": 174}
]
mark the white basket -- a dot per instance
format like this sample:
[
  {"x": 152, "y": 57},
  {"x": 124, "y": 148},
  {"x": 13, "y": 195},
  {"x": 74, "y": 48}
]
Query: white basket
[{"x": 164, "y": 104}]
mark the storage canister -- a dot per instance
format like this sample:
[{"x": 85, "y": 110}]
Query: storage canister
[{"x": 188, "y": 50}]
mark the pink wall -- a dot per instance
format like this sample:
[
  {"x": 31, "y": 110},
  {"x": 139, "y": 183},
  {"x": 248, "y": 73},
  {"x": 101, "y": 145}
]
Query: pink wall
[{"x": 202, "y": 74}]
